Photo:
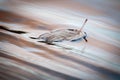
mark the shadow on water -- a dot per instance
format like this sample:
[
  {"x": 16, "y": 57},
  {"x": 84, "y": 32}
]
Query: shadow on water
[{"x": 13, "y": 31}]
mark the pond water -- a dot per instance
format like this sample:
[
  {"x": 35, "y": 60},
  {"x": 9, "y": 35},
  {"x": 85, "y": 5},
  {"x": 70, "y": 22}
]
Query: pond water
[{"x": 23, "y": 58}]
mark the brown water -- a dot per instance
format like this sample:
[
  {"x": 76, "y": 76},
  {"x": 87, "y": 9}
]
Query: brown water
[{"x": 22, "y": 58}]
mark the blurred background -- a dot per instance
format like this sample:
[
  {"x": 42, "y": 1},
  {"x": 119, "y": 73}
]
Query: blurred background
[{"x": 22, "y": 58}]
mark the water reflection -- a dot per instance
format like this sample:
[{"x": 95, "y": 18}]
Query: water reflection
[{"x": 27, "y": 59}]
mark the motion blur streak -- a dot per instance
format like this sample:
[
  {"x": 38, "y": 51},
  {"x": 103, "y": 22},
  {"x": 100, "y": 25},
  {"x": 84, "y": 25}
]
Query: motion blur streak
[{"x": 22, "y": 58}]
